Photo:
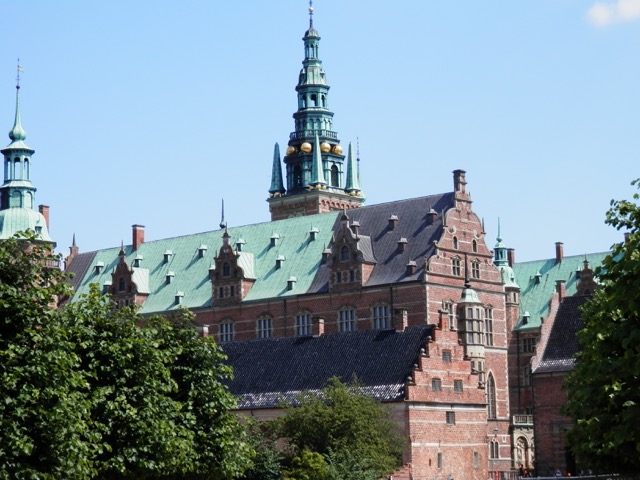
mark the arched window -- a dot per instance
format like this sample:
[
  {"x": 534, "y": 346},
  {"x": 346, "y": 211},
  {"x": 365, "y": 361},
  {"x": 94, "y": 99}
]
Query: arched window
[
  {"x": 265, "y": 327},
  {"x": 494, "y": 451},
  {"x": 227, "y": 331},
  {"x": 335, "y": 179},
  {"x": 491, "y": 397},
  {"x": 455, "y": 243},
  {"x": 474, "y": 246},
  {"x": 314, "y": 100},
  {"x": 226, "y": 269},
  {"x": 347, "y": 319},
  {"x": 381, "y": 317},
  {"x": 345, "y": 253},
  {"x": 303, "y": 324}
]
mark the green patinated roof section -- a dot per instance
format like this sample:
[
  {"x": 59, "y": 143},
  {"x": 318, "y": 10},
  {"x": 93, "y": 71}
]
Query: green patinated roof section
[
  {"x": 535, "y": 294},
  {"x": 191, "y": 272},
  {"x": 14, "y": 220}
]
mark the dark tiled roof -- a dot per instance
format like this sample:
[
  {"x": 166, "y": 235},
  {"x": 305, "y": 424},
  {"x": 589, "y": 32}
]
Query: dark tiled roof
[
  {"x": 79, "y": 267},
  {"x": 413, "y": 225},
  {"x": 270, "y": 371},
  {"x": 563, "y": 342}
]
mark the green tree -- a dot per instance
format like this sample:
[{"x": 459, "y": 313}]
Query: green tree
[
  {"x": 603, "y": 393},
  {"x": 93, "y": 392},
  {"x": 347, "y": 427}
]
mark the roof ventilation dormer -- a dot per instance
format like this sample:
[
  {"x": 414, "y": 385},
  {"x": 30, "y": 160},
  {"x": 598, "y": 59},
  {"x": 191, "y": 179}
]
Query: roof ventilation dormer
[
  {"x": 291, "y": 282},
  {"x": 313, "y": 233},
  {"x": 138, "y": 260},
  {"x": 179, "y": 298},
  {"x": 525, "y": 318},
  {"x": 239, "y": 244},
  {"x": 202, "y": 249},
  {"x": 99, "y": 266},
  {"x": 412, "y": 267},
  {"x": 537, "y": 277},
  {"x": 326, "y": 254},
  {"x": 169, "y": 277},
  {"x": 355, "y": 227},
  {"x": 433, "y": 215},
  {"x": 402, "y": 245},
  {"x": 167, "y": 256},
  {"x": 106, "y": 286},
  {"x": 393, "y": 222},
  {"x": 279, "y": 260},
  {"x": 274, "y": 239}
]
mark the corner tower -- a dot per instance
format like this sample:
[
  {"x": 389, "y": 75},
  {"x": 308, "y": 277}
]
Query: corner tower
[
  {"x": 17, "y": 193},
  {"x": 317, "y": 178}
]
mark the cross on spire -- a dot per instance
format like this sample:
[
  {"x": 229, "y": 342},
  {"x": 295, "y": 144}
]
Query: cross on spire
[{"x": 20, "y": 70}]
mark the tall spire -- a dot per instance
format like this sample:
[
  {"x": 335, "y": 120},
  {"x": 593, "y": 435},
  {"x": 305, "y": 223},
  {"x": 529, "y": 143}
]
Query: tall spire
[
  {"x": 223, "y": 222},
  {"x": 17, "y": 134},
  {"x": 314, "y": 157},
  {"x": 277, "y": 187}
]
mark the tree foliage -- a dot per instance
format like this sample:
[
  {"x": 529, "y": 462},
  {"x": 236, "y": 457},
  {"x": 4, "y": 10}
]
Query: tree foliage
[
  {"x": 603, "y": 393},
  {"x": 353, "y": 433},
  {"x": 93, "y": 392}
]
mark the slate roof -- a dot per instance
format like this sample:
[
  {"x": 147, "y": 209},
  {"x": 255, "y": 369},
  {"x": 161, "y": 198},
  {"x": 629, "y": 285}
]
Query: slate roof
[
  {"x": 563, "y": 342},
  {"x": 536, "y": 291},
  {"x": 303, "y": 256},
  {"x": 271, "y": 371}
]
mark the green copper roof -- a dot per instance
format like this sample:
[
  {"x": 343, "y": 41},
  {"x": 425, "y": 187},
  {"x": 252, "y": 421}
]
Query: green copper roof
[
  {"x": 537, "y": 280},
  {"x": 276, "y": 172},
  {"x": 188, "y": 271},
  {"x": 17, "y": 134},
  {"x": 14, "y": 220}
]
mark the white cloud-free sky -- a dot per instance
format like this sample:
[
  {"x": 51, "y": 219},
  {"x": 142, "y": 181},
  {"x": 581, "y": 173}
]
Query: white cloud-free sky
[{"x": 151, "y": 112}]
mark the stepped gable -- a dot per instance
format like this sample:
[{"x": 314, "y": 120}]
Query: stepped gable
[
  {"x": 413, "y": 224},
  {"x": 271, "y": 371},
  {"x": 563, "y": 342}
]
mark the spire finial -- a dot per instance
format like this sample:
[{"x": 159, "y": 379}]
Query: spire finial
[
  {"x": 310, "y": 13},
  {"x": 17, "y": 133},
  {"x": 499, "y": 237},
  {"x": 223, "y": 223},
  {"x": 467, "y": 281}
]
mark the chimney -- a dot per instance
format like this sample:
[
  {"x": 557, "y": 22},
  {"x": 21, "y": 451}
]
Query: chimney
[
  {"x": 138, "y": 236},
  {"x": 318, "y": 327},
  {"x": 459, "y": 181},
  {"x": 401, "y": 320},
  {"x": 559, "y": 251},
  {"x": 511, "y": 256},
  {"x": 561, "y": 289},
  {"x": 44, "y": 210}
]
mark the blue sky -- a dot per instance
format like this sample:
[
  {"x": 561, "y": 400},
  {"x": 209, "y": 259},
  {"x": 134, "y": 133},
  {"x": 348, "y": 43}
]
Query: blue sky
[{"x": 151, "y": 112}]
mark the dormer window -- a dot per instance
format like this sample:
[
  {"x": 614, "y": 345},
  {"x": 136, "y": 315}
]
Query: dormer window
[
  {"x": 137, "y": 261},
  {"x": 179, "y": 297},
  {"x": 169, "y": 277},
  {"x": 274, "y": 239},
  {"x": 167, "y": 256},
  {"x": 202, "y": 249},
  {"x": 313, "y": 233},
  {"x": 291, "y": 282},
  {"x": 279, "y": 261},
  {"x": 239, "y": 244},
  {"x": 98, "y": 268},
  {"x": 345, "y": 253}
]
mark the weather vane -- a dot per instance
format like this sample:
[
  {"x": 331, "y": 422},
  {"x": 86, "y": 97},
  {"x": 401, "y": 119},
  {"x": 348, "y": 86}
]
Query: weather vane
[
  {"x": 310, "y": 13},
  {"x": 20, "y": 70}
]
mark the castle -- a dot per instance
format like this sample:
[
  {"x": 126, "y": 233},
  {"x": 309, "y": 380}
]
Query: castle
[{"x": 409, "y": 296}]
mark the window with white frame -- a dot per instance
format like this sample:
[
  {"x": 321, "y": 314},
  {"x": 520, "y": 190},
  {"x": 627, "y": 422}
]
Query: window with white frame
[
  {"x": 436, "y": 384},
  {"x": 488, "y": 325},
  {"x": 347, "y": 319},
  {"x": 528, "y": 344},
  {"x": 475, "y": 269},
  {"x": 381, "y": 317},
  {"x": 455, "y": 267},
  {"x": 450, "y": 307},
  {"x": 227, "y": 331},
  {"x": 491, "y": 397},
  {"x": 303, "y": 324},
  {"x": 265, "y": 327},
  {"x": 457, "y": 386},
  {"x": 494, "y": 451}
]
